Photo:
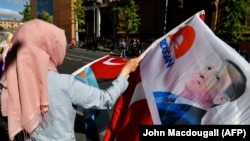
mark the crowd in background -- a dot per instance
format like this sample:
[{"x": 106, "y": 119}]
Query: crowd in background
[
  {"x": 90, "y": 43},
  {"x": 130, "y": 48},
  {"x": 123, "y": 47}
]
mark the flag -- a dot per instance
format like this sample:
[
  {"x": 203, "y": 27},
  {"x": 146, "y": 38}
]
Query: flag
[
  {"x": 188, "y": 76},
  {"x": 107, "y": 67},
  {"x": 94, "y": 73}
]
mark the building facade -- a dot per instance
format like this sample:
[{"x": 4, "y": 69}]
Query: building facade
[
  {"x": 157, "y": 16},
  {"x": 10, "y": 25},
  {"x": 61, "y": 12},
  {"x": 38, "y": 6},
  {"x": 63, "y": 17}
]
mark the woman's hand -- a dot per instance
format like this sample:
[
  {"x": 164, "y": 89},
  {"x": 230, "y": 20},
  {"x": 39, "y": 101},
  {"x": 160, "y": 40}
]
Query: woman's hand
[{"x": 130, "y": 66}]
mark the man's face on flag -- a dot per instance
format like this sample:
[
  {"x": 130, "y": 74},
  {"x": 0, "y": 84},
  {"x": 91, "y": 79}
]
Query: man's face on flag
[{"x": 208, "y": 85}]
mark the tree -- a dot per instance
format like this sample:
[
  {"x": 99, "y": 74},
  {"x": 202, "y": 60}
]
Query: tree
[
  {"x": 26, "y": 13},
  {"x": 1, "y": 28},
  {"x": 79, "y": 16},
  {"x": 128, "y": 18},
  {"x": 231, "y": 23},
  {"x": 45, "y": 16}
]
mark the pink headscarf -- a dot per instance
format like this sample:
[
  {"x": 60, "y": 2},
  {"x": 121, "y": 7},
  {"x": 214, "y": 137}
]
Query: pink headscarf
[{"x": 38, "y": 46}]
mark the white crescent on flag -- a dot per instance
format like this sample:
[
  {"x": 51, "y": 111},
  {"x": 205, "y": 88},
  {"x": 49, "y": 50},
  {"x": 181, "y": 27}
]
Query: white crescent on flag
[
  {"x": 106, "y": 67},
  {"x": 109, "y": 62}
]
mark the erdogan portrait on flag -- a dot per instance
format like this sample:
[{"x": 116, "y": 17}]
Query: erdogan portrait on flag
[
  {"x": 194, "y": 75},
  {"x": 203, "y": 90}
]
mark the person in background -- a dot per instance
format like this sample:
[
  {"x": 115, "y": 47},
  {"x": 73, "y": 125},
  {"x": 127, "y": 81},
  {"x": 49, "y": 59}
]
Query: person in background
[
  {"x": 73, "y": 43},
  {"x": 139, "y": 47},
  {"x": 39, "y": 100},
  {"x": 5, "y": 45},
  {"x": 123, "y": 47}
]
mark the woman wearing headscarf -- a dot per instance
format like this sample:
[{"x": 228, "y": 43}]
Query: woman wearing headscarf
[{"x": 39, "y": 100}]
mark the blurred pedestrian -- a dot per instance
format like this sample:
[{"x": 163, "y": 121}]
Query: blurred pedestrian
[
  {"x": 73, "y": 43},
  {"x": 5, "y": 45},
  {"x": 123, "y": 47},
  {"x": 139, "y": 47},
  {"x": 95, "y": 43},
  {"x": 39, "y": 100}
]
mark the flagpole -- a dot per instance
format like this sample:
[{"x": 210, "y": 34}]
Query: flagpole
[{"x": 165, "y": 20}]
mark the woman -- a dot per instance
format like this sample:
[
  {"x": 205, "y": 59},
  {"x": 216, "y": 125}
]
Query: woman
[{"x": 38, "y": 99}]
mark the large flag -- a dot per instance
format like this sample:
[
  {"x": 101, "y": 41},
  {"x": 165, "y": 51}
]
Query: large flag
[{"x": 188, "y": 76}]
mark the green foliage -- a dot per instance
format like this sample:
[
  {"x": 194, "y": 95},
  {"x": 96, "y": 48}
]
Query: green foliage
[
  {"x": 45, "y": 16},
  {"x": 231, "y": 23},
  {"x": 1, "y": 28},
  {"x": 129, "y": 20},
  {"x": 79, "y": 15},
  {"x": 26, "y": 13}
]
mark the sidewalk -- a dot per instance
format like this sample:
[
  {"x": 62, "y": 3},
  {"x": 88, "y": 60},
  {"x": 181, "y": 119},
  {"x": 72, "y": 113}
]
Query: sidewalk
[
  {"x": 101, "y": 48},
  {"x": 114, "y": 52}
]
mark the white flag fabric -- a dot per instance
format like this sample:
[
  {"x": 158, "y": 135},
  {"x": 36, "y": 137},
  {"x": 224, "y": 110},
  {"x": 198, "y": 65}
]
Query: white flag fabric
[{"x": 189, "y": 77}]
